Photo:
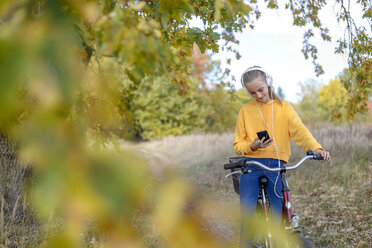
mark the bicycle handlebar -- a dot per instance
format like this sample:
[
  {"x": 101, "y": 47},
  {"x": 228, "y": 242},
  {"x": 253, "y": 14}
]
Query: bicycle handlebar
[
  {"x": 243, "y": 163},
  {"x": 236, "y": 165}
]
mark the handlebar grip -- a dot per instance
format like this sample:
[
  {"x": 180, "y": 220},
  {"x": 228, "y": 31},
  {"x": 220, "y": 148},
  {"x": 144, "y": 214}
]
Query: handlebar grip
[
  {"x": 239, "y": 164},
  {"x": 229, "y": 166},
  {"x": 315, "y": 156},
  {"x": 318, "y": 157}
]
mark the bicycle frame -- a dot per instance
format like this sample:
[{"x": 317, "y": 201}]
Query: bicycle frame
[
  {"x": 289, "y": 220},
  {"x": 287, "y": 211}
]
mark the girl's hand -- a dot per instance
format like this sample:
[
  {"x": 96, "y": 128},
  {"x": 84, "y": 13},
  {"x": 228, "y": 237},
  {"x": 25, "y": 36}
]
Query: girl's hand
[
  {"x": 260, "y": 143},
  {"x": 325, "y": 154}
]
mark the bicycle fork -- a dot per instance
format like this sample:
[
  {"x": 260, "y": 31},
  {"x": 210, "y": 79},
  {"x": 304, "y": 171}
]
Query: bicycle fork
[{"x": 289, "y": 219}]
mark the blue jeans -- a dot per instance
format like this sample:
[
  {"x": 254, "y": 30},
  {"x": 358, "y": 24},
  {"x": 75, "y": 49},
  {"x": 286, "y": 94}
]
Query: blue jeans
[{"x": 249, "y": 187}]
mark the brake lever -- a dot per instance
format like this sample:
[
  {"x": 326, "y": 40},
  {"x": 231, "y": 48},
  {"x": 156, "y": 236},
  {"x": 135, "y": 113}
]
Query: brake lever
[{"x": 233, "y": 173}]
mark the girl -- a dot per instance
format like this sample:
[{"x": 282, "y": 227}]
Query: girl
[{"x": 267, "y": 112}]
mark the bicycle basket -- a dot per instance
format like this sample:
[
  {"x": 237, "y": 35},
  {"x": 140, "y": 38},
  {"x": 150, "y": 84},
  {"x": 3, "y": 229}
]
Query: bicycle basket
[{"x": 235, "y": 177}]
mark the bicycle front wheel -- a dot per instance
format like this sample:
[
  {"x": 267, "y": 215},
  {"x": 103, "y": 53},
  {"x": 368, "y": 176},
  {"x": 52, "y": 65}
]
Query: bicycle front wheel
[{"x": 301, "y": 242}]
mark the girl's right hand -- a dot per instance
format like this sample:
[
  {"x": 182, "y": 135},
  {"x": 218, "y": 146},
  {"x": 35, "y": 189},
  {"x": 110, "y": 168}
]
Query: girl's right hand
[{"x": 257, "y": 143}]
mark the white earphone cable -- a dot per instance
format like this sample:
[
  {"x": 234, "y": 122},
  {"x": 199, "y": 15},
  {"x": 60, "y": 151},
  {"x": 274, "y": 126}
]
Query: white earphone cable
[{"x": 276, "y": 147}]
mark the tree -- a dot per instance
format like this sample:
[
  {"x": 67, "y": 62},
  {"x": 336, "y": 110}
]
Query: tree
[
  {"x": 332, "y": 101},
  {"x": 358, "y": 84},
  {"x": 230, "y": 17},
  {"x": 155, "y": 37},
  {"x": 280, "y": 92},
  {"x": 124, "y": 30},
  {"x": 307, "y": 107},
  {"x": 223, "y": 109},
  {"x": 356, "y": 42},
  {"x": 160, "y": 111}
]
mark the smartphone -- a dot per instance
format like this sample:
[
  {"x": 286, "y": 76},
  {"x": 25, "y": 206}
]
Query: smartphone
[{"x": 263, "y": 134}]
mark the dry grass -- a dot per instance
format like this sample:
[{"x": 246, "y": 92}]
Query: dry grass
[
  {"x": 18, "y": 227},
  {"x": 334, "y": 199},
  {"x": 200, "y": 156}
]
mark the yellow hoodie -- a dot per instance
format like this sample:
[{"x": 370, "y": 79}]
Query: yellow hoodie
[{"x": 287, "y": 125}]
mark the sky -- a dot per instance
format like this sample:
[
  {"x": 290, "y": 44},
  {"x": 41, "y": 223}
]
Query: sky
[{"x": 276, "y": 45}]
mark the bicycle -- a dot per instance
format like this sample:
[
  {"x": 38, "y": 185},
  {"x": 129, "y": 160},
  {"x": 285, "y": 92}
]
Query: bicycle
[{"x": 289, "y": 220}]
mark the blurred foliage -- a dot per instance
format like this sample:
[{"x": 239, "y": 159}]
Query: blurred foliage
[
  {"x": 108, "y": 100},
  {"x": 157, "y": 109},
  {"x": 71, "y": 78},
  {"x": 69, "y": 70}
]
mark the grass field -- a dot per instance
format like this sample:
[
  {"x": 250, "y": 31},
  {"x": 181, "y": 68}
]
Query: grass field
[{"x": 333, "y": 199}]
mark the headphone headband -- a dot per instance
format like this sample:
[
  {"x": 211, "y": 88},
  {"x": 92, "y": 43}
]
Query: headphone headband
[{"x": 269, "y": 79}]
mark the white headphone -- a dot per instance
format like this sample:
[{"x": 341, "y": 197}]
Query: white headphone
[{"x": 269, "y": 79}]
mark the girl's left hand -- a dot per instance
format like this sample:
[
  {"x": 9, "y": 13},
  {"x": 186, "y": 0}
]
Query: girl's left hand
[{"x": 326, "y": 156}]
